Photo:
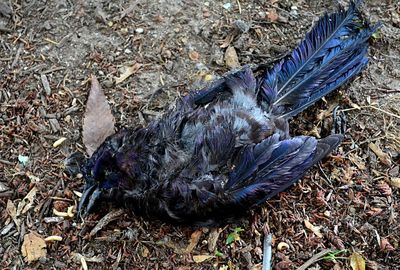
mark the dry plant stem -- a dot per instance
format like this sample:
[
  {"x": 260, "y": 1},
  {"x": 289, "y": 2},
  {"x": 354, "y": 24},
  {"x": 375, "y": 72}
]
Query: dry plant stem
[{"x": 314, "y": 259}]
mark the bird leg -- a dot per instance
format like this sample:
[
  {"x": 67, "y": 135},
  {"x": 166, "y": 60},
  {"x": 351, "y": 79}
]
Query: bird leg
[{"x": 339, "y": 121}]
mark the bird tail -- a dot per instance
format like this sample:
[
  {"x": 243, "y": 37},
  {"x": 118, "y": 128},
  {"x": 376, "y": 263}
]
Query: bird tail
[
  {"x": 333, "y": 51},
  {"x": 265, "y": 169}
]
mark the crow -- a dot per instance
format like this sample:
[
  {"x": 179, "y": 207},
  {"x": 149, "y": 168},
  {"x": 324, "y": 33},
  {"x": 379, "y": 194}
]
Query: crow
[{"x": 225, "y": 149}]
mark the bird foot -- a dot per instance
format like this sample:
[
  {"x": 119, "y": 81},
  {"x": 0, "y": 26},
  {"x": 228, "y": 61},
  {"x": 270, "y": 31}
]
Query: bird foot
[{"x": 339, "y": 121}]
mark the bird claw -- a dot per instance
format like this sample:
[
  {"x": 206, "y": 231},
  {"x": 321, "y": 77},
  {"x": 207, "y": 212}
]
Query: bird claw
[
  {"x": 339, "y": 121},
  {"x": 91, "y": 194}
]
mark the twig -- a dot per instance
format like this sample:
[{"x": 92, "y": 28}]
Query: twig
[
  {"x": 314, "y": 259},
  {"x": 6, "y": 162},
  {"x": 105, "y": 220},
  {"x": 240, "y": 7},
  {"x": 372, "y": 107},
  {"x": 267, "y": 252},
  {"x": 17, "y": 55}
]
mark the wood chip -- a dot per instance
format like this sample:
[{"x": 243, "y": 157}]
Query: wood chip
[{"x": 45, "y": 84}]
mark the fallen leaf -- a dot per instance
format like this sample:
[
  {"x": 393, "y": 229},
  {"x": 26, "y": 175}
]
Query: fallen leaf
[
  {"x": 201, "y": 258},
  {"x": 26, "y": 202},
  {"x": 98, "y": 122},
  {"x": 357, "y": 261},
  {"x": 194, "y": 239},
  {"x": 33, "y": 247},
  {"x": 234, "y": 236},
  {"x": 395, "y": 181},
  {"x": 11, "y": 210},
  {"x": 145, "y": 252},
  {"x": 213, "y": 238},
  {"x": 127, "y": 71},
  {"x": 385, "y": 245},
  {"x": 384, "y": 188},
  {"x": 357, "y": 161},
  {"x": 315, "y": 229},
  {"x": 231, "y": 58},
  {"x": 383, "y": 157}
]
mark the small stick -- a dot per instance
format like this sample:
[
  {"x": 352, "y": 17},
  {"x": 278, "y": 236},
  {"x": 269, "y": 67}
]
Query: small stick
[{"x": 314, "y": 259}]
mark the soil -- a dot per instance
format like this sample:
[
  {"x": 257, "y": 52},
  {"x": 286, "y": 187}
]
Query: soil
[{"x": 351, "y": 199}]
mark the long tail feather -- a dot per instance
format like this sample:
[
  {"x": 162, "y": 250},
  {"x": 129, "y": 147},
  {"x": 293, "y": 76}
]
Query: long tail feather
[
  {"x": 331, "y": 53},
  {"x": 272, "y": 166}
]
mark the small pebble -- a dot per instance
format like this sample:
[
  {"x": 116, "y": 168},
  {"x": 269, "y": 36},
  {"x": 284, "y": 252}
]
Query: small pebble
[{"x": 139, "y": 30}]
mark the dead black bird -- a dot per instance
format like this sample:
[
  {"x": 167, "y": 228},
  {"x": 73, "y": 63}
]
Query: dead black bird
[{"x": 227, "y": 148}]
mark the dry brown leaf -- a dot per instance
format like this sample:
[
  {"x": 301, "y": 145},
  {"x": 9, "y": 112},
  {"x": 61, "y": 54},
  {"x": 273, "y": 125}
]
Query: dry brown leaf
[
  {"x": 231, "y": 58},
  {"x": 395, "y": 181},
  {"x": 385, "y": 245},
  {"x": 383, "y": 157},
  {"x": 355, "y": 159},
  {"x": 357, "y": 261},
  {"x": 33, "y": 247},
  {"x": 127, "y": 71},
  {"x": 384, "y": 188},
  {"x": 11, "y": 210},
  {"x": 194, "y": 239},
  {"x": 145, "y": 252},
  {"x": 26, "y": 202},
  {"x": 98, "y": 122},
  {"x": 315, "y": 229},
  {"x": 201, "y": 258}
]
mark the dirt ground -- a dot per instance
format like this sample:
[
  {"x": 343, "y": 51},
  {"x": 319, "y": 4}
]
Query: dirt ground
[{"x": 48, "y": 49}]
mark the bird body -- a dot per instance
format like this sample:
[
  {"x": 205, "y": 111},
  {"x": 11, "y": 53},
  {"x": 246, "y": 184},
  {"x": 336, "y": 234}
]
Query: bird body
[{"x": 227, "y": 148}]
